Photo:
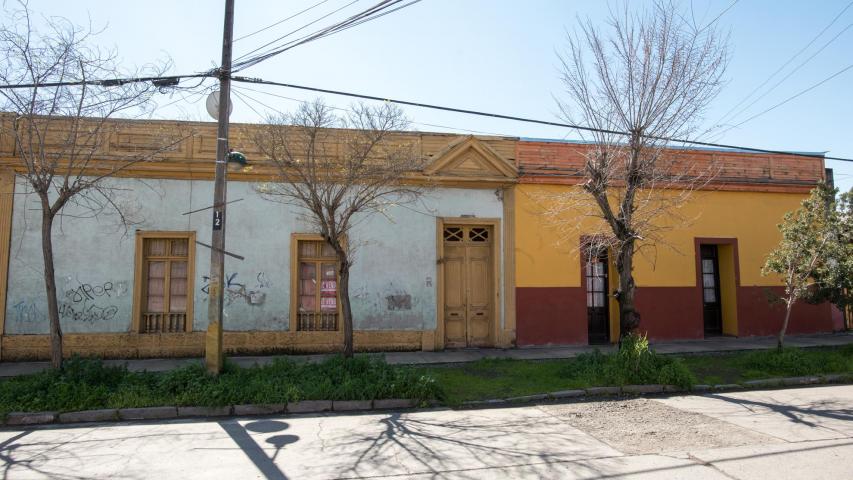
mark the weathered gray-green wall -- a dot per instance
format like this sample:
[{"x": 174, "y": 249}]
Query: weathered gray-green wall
[{"x": 395, "y": 258}]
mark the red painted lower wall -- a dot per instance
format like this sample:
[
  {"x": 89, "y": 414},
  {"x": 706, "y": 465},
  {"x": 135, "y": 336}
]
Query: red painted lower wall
[
  {"x": 550, "y": 315},
  {"x": 757, "y": 317},
  {"x": 557, "y": 315},
  {"x": 670, "y": 313}
]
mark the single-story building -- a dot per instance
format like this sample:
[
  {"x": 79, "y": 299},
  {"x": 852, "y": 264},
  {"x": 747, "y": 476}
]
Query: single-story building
[
  {"x": 472, "y": 264},
  {"x": 705, "y": 281}
]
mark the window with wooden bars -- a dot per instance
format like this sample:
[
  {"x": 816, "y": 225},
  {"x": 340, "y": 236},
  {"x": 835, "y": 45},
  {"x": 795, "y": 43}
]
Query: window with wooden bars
[
  {"x": 317, "y": 286},
  {"x": 163, "y": 293}
]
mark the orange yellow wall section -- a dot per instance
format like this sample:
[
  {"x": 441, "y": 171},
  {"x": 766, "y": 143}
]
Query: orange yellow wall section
[{"x": 547, "y": 248}]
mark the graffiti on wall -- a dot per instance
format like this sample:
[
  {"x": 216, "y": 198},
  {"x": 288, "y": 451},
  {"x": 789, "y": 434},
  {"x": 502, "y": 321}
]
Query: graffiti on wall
[
  {"x": 78, "y": 302},
  {"x": 87, "y": 313},
  {"x": 90, "y": 303},
  {"x": 87, "y": 291},
  {"x": 392, "y": 305},
  {"x": 236, "y": 290},
  {"x": 399, "y": 302},
  {"x": 26, "y": 311}
]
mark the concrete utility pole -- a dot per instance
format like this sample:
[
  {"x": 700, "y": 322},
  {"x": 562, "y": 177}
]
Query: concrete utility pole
[{"x": 213, "y": 341}]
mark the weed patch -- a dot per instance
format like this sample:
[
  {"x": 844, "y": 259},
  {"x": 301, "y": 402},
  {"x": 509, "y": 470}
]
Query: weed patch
[{"x": 84, "y": 384}]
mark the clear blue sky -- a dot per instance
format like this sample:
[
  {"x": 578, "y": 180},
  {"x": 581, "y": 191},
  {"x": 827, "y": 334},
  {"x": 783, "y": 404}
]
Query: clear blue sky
[{"x": 496, "y": 56}]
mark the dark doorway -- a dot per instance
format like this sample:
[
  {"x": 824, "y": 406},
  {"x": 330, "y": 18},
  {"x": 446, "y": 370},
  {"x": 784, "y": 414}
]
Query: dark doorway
[
  {"x": 596, "y": 299},
  {"x": 711, "y": 309}
]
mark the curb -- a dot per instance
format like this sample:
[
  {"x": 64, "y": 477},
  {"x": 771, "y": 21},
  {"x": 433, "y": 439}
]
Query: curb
[
  {"x": 171, "y": 412},
  {"x": 104, "y": 415},
  {"x": 148, "y": 413}
]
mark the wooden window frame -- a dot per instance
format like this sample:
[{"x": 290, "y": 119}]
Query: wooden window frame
[
  {"x": 295, "y": 238},
  {"x": 138, "y": 276},
  {"x": 728, "y": 295},
  {"x": 612, "y": 285}
]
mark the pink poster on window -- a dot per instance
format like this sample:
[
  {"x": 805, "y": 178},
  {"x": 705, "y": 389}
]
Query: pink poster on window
[
  {"x": 329, "y": 287},
  {"x": 328, "y": 303}
]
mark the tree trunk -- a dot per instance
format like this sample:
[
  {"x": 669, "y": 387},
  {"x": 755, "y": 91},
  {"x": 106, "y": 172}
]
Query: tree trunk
[
  {"x": 629, "y": 319},
  {"x": 346, "y": 309},
  {"x": 50, "y": 286},
  {"x": 781, "y": 338}
]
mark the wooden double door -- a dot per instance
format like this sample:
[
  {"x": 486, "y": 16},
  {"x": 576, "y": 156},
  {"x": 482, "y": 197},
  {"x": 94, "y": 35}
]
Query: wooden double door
[{"x": 468, "y": 286}]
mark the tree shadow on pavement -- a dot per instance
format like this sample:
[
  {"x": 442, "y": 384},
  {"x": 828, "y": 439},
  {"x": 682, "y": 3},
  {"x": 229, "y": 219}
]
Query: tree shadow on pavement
[
  {"x": 30, "y": 461},
  {"x": 438, "y": 453},
  {"x": 464, "y": 444},
  {"x": 266, "y": 464},
  {"x": 795, "y": 413}
]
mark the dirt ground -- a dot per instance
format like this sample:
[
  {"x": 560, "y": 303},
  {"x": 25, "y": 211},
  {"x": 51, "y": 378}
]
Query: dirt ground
[{"x": 642, "y": 425}]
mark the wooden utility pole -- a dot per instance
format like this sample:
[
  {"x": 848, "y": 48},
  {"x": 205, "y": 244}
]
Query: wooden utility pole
[{"x": 213, "y": 342}]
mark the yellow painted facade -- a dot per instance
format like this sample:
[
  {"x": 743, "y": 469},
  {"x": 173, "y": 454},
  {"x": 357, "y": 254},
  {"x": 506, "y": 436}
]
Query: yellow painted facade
[
  {"x": 728, "y": 289},
  {"x": 547, "y": 250}
]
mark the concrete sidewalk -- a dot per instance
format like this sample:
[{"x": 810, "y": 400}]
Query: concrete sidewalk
[
  {"x": 779, "y": 435},
  {"x": 716, "y": 344}
]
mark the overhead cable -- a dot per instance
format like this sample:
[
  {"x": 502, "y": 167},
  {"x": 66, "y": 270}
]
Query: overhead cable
[{"x": 242, "y": 79}]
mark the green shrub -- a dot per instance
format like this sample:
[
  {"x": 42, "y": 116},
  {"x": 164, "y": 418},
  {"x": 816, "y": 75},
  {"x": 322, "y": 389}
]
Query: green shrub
[
  {"x": 675, "y": 372},
  {"x": 587, "y": 366},
  {"x": 84, "y": 384},
  {"x": 634, "y": 363},
  {"x": 794, "y": 362}
]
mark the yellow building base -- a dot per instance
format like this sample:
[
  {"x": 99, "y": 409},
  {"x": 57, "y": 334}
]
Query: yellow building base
[
  {"x": 127, "y": 345},
  {"x": 171, "y": 345}
]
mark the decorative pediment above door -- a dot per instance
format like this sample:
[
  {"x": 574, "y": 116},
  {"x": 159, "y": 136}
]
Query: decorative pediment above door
[{"x": 468, "y": 158}]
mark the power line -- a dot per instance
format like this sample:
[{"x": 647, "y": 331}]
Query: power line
[
  {"x": 785, "y": 64},
  {"x": 241, "y": 97},
  {"x": 281, "y": 21},
  {"x": 434, "y": 125},
  {"x": 719, "y": 15},
  {"x": 313, "y": 36},
  {"x": 161, "y": 81},
  {"x": 185, "y": 98},
  {"x": 260, "y": 81},
  {"x": 795, "y": 70},
  {"x": 122, "y": 81},
  {"x": 848, "y": 67},
  {"x": 367, "y": 15},
  {"x": 294, "y": 31}
]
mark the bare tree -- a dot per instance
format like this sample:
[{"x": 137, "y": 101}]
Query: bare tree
[
  {"x": 61, "y": 129},
  {"x": 338, "y": 171},
  {"x": 648, "y": 78}
]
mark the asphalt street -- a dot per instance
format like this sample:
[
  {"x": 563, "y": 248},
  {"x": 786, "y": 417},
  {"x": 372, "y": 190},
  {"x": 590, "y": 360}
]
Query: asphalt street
[{"x": 778, "y": 434}]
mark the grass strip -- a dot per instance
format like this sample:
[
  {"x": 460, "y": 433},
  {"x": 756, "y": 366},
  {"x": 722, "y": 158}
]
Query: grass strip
[
  {"x": 88, "y": 384},
  {"x": 84, "y": 384},
  {"x": 504, "y": 378}
]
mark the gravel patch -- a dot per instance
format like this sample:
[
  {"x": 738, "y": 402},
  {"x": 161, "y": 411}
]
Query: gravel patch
[{"x": 641, "y": 425}]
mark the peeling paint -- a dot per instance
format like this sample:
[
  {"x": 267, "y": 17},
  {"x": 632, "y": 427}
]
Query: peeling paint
[
  {"x": 399, "y": 302},
  {"x": 392, "y": 279}
]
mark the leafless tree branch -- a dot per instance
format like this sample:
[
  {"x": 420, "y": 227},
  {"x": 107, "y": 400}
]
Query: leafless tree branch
[
  {"x": 62, "y": 134},
  {"x": 339, "y": 170},
  {"x": 652, "y": 73}
]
